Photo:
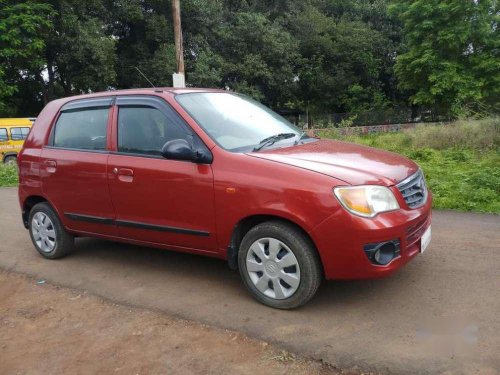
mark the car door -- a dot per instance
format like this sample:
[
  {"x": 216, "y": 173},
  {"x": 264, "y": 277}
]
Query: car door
[
  {"x": 157, "y": 200},
  {"x": 74, "y": 166}
]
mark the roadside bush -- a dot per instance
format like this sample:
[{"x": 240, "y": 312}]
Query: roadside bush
[
  {"x": 480, "y": 135},
  {"x": 474, "y": 135},
  {"x": 8, "y": 175}
]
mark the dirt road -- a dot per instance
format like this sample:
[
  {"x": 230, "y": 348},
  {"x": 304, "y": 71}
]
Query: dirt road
[
  {"x": 440, "y": 313},
  {"x": 51, "y": 330}
]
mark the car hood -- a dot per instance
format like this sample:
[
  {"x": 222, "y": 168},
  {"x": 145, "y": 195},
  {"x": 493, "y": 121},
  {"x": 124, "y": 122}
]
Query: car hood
[{"x": 351, "y": 163}]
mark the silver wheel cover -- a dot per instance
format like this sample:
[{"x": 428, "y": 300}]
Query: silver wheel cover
[
  {"x": 43, "y": 232},
  {"x": 273, "y": 268}
]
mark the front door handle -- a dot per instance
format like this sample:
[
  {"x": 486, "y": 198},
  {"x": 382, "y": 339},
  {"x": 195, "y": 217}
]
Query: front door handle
[
  {"x": 50, "y": 165},
  {"x": 124, "y": 174}
]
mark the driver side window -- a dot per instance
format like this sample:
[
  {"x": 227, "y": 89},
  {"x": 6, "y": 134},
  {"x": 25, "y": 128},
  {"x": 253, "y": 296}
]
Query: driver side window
[{"x": 144, "y": 130}]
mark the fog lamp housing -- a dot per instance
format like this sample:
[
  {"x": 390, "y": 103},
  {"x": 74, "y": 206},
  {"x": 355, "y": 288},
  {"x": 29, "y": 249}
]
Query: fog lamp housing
[{"x": 382, "y": 253}]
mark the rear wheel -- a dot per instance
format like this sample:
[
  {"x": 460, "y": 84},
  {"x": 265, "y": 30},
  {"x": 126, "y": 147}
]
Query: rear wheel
[
  {"x": 47, "y": 232},
  {"x": 10, "y": 160},
  {"x": 279, "y": 265}
]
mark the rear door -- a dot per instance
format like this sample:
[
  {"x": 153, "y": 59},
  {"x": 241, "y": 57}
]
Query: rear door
[
  {"x": 157, "y": 200},
  {"x": 74, "y": 166}
]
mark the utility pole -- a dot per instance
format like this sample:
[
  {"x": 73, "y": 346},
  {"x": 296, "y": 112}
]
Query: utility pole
[{"x": 178, "y": 78}]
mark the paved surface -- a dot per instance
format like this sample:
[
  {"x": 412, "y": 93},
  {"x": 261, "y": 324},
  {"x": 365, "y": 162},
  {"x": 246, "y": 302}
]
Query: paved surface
[{"x": 440, "y": 313}]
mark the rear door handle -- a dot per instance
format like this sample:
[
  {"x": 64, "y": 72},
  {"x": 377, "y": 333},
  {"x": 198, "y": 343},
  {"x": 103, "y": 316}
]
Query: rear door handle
[{"x": 51, "y": 165}]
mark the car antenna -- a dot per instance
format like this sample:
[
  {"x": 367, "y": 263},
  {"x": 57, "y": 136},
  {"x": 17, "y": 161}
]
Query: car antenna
[{"x": 147, "y": 79}]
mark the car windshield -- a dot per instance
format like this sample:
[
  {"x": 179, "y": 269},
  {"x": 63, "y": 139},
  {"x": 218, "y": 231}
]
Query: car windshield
[{"x": 236, "y": 122}]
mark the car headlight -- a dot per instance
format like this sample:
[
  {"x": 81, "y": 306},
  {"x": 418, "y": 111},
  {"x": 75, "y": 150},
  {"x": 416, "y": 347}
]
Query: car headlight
[{"x": 366, "y": 201}]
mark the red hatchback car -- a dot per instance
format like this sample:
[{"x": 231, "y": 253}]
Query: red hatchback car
[{"x": 215, "y": 173}]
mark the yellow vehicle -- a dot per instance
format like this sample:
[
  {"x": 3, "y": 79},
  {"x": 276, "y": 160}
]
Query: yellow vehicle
[{"x": 13, "y": 132}]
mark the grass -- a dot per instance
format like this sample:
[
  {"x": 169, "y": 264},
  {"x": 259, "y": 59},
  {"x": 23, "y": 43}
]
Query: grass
[
  {"x": 461, "y": 161},
  {"x": 8, "y": 175}
]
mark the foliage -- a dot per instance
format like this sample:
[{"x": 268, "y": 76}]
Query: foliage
[
  {"x": 259, "y": 57},
  {"x": 143, "y": 33},
  {"x": 81, "y": 57},
  {"x": 483, "y": 135},
  {"x": 21, "y": 44},
  {"x": 319, "y": 56},
  {"x": 345, "y": 56},
  {"x": 452, "y": 58},
  {"x": 322, "y": 55},
  {"x": 347, "y": 122},
  {"x": 8, "y": 174},
  {"x": 460, "y": 161}
]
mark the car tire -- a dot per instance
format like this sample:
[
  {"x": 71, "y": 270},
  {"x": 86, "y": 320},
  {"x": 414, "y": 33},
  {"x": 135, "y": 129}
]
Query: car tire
[
  {"x": 10, "y": 159},
  {"x": 47, "y": 233},
  {"x": 289, "y": 273}
]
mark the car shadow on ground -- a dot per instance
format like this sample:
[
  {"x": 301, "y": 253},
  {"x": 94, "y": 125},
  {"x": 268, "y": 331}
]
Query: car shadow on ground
[{"x": 183, "y": 268}]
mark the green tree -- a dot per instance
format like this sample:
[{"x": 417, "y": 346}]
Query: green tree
[
  {"x": 22, "y": 25},
  {"x": 260, "y": 58},
  {"x": 80, "y": 55},
  {"x": 344, "y": 59},
  {"x": 326, "y": 55},
  {"x": 144, "y": 39},
  {"x": 452, "y": 53}
]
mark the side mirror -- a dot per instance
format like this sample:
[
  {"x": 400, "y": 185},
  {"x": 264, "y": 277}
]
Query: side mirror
[{"x": 179, "y": 149}]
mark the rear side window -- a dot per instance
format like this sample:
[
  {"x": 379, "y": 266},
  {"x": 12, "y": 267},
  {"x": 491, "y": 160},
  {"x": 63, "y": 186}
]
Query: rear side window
[
  {"x": 19, "y": 134},
  {"x": 144, "y": 130},
  {"x": 3, "y": 134},
  {"x": 83, "y": 129}
]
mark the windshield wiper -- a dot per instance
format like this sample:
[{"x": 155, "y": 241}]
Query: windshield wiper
[
  {"x": 302, "y": 135},
  {"x": 272, "y": 139}
]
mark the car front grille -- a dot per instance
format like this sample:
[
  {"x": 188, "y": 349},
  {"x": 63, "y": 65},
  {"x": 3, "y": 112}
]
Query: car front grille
[
  {"x": 415, "y": 231},
  {"x": 414, "y": 190}
]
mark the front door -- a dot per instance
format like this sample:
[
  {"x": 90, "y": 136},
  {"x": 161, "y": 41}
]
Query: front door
[
  {"x": 74, "y": 166},
  {"x": 158, "y": 200}
]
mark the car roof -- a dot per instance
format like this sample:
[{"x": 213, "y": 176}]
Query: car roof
[
  {"x": 139, "y": 91},
  {"x": 186, "y": 90},
  {"x": 174, "y": 90}
]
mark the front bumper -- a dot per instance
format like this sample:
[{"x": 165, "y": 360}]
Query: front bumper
[{"x": 341, "y": 238}]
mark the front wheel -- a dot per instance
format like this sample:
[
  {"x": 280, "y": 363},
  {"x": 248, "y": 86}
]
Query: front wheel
[
  {"x": 47, "y": 232},
  {"x": 279, "y": 265}
]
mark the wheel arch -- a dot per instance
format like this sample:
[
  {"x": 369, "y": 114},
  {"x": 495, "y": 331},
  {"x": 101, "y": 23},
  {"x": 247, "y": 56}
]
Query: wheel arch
[
  {"x": 28, "y": 204},
  {"x": 7, "y": 154},
  {"x": 247, "y": 223}
]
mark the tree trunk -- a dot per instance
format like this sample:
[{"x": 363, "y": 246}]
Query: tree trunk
[{"x": 44, "y": 88}]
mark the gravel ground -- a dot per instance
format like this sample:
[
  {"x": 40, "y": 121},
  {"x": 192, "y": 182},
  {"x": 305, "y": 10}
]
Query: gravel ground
[{"x": 46, "y": 329}]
